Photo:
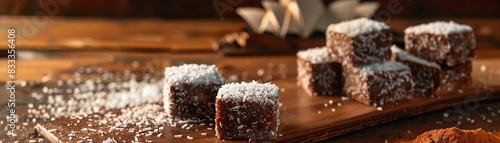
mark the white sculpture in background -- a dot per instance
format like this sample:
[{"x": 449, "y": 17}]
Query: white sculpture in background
[{"x": 303, "y": 17}]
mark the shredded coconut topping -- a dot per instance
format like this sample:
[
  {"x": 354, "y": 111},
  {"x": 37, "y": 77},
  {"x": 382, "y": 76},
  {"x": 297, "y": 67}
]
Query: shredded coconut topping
[
  {"x": 193, "y": 74},
  {"x": 358, "y": 26},
  {"x": 316, "y": 55},
  {"x": 439, "y": 28},
  {"x": 403, "y": 55},
  {"x": 249, "y": 91},
  {"x": 385, "y": 66}
]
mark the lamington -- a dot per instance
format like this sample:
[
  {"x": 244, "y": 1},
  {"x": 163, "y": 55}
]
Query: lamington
[
  {"x": 426, "y": 74},
  {"x": 379, "y": 84},
  {"x": 318, "y": 72},
  {"x": 446, "y": 43},
  {"x": 456, "y": 77},
  {"x": 449, "y": 44},
  {"x": 247, "y": 111},
  {"x": 359, "y": 42},
  {"x": 190, "y": 91}
]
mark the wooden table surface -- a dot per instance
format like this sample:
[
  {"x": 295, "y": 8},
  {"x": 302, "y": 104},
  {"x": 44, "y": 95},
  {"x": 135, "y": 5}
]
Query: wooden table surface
[
  {"x": 34, "y": 66},
  {"x": 117, "y": 34},
  {"x": 60, "y": 33}
]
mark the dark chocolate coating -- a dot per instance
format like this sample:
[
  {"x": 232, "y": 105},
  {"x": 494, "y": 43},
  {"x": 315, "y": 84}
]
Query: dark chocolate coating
[
  {"x": 383, "y": 88},
  {"x": 425, "y": 77},
  {"x": 246, "y": 120},
  {"x": 186, "y": 101},
  {"x": 320, "y": 79},
  {"x": 456, "y": 77}
]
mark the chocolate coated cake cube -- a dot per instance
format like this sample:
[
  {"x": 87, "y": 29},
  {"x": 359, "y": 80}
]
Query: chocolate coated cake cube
[
  {"x": 359, "y": 42},
  {"x": 456, "y": 78},
  {"x": 247, "y": 111},
  {"x": 447, "y": 43},
  {"x": 190, "y": 91},
  {"x": 426, "y": 74},
  {"x": 380, "y": 84},
  {"x": 318, "y": 72}
]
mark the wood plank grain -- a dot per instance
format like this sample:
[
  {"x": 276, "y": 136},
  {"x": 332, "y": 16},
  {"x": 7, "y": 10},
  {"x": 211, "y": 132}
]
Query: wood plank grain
[
  {"x": 177, "y": 35},
  {"x": 61, "y": 33}
]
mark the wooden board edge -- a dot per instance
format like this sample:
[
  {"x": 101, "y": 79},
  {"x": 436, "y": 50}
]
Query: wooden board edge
[{"x": 334, "y": 130}]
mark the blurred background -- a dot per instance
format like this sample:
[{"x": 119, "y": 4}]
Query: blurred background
[
  {"x": 67, "y": 41},
  {"x": 188, "y": 9},
  {"x": 193, "y": 25}
]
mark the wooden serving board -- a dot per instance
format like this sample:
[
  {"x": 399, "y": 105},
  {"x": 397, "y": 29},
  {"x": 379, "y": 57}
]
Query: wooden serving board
[{"x": 303, "y": 118}]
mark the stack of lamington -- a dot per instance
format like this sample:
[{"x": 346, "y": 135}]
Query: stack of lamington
[
  {"x": 449, "y": 44},
  {"x": 364, "y": 47},
  {"x": 360, "y": 60}
]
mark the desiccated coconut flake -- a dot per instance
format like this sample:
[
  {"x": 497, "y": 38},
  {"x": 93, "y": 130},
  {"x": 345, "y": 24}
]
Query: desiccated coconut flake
[
  {"x": 194, "y": 74},
  {"x": 439, "y": 28},
  {"x": 251, "y": 91},
  {"x": 357, "y": 26},
  {"x": 316, "y": 55}
]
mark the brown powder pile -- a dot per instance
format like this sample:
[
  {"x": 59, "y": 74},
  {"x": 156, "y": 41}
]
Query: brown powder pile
[{"x": 456, "y": 135}]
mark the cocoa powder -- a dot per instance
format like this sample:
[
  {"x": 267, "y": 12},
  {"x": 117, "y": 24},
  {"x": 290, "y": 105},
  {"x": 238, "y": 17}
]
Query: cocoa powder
[{"x": 456, "y": 135}]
